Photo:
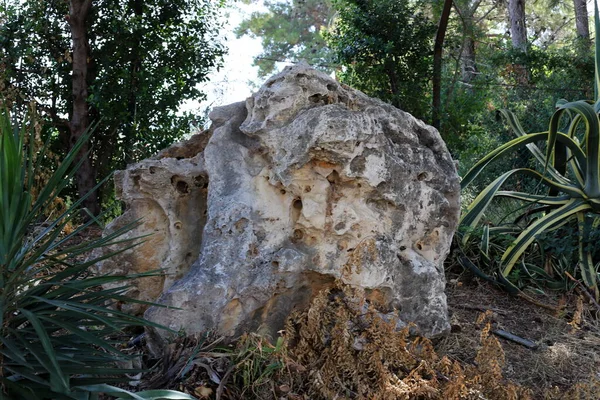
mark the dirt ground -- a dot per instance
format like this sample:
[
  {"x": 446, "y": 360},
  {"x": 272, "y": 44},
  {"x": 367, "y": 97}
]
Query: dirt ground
[
  {"x": 567, "y": 352},
  {"x": 567, "y": 341}
]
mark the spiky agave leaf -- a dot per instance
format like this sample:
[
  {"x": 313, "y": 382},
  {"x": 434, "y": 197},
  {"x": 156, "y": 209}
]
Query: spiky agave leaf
[{"x": 574, "y": 198}]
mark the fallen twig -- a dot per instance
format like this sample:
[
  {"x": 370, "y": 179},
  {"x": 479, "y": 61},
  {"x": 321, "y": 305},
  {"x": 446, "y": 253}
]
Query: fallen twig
[
  {"x": 514, "y": 338},
  {"x": 223, "y": 380},
  {"x": 537, "y": 303}
]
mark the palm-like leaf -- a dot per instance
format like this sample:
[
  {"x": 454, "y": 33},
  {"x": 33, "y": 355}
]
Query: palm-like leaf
[{"x": 58, "y": 338}]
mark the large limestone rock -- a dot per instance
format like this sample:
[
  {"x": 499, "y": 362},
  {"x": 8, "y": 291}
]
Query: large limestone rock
[{"x": 306, "y": 183}]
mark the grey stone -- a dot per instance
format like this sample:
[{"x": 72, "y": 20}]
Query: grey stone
[{"x": 309, "y": 182}]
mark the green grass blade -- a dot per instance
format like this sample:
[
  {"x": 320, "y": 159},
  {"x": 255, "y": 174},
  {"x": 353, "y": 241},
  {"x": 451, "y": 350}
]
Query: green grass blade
[
  {"x": 505, "y": 148},
  {"x": 59, "y": 382},
  {"x": 485, "y": 244},
  {"x": 586, "y": 262},
  {"x": 592, "y": 139},
  {"x": 109, "y": 390},
  {"x": 15, "y": 353},
  {"x": 145, "y": 395},
  {"x": 514, "y": 123},
  {"x": 517, "y": 143},
  {"x": 597, "y": 53},
  {"x": 88, "y": 337},
  {"x": 533, "y": 198},
  {"x": 478, "y": 207}
]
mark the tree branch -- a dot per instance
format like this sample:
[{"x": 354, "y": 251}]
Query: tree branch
[{"x": 487, "y": 13}]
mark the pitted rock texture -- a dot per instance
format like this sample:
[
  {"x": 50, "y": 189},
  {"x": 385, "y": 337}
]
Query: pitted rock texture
[
  {"x": 167, "y": 198},
  {"x": 309, "y": 182}
]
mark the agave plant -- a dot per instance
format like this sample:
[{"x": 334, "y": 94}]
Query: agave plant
[
  {"x": 569, "y": 170},
  {"x": 59, "y": 336}
]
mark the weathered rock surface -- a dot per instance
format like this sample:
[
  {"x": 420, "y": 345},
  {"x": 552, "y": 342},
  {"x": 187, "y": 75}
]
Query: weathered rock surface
[{"x": 306, "y": 183}]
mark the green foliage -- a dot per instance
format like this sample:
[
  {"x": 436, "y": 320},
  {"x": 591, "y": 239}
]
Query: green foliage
[
  {"x": 385, "y": 47},
  {"x": 567, "y": 190},
  {"x": 290, "y": 31},
  {"x": 256, "y": 362},
  {"x": 471, "y": 124},
  {"x": 59, "y": 339},
  {"x": 146, "y": 59},
  {"x": 557, "y": 66}
]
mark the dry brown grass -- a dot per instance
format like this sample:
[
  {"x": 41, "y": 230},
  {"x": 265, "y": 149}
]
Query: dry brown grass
[
  {"x": 342, "y": 348},
  {"x": 350, "y": 352}
]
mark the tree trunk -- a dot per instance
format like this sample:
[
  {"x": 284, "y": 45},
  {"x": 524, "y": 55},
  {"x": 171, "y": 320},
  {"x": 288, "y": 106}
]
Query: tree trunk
[
  {"x": 518, "y": 30},
  {"x": 437, "y": 65},
  {"x": 135, "y": 66},
  {"x": 581, "y": 19},
  {"x": 466, "y": 11},
  {"x": 468, "y": 67},
  {"x": 518, "y": 35},
  {"x": 85, "y": 177}
]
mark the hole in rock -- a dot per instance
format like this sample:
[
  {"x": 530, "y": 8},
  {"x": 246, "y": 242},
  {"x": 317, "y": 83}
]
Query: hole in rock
[
  {"x": 307, "y": 189},
  {"x": 282, "y": 191},
  {"x": 152, "y": 170},
  {"x": 316, "y": 98},
  {"x": 298, "y": 234},
  {"x": 357, "y": 143},
  {"x": 180, "y": 185},
  {"x": 297, "y": 204},
  {"x": 331, "y": 87},
  {"x": 422, "y": 176},
  {"x": 200, "y": 181},
  {"x": 333, "y": 177},
  {"x": 419, "y": 246},
  {"x": 275, "y": 264}
]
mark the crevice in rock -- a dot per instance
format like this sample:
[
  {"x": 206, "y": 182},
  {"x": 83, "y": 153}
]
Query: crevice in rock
[{"x": 271, "y": 318}]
